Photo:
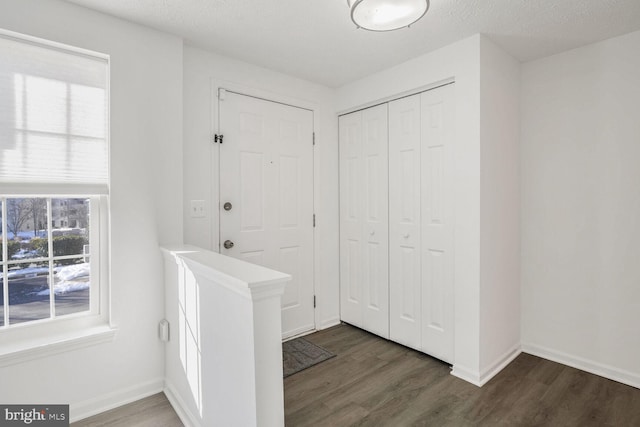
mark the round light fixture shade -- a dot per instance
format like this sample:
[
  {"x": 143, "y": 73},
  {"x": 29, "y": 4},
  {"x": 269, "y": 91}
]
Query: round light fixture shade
[{"x": 386, "y": 15}]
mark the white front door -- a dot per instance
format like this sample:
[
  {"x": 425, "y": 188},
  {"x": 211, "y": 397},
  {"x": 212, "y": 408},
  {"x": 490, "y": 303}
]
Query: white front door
[{"x": 266, "y": 195}]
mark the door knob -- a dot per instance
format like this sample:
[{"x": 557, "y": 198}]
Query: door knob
[
  {"x": 228, "y": 244},
  {"x": 227, "y": 206}
]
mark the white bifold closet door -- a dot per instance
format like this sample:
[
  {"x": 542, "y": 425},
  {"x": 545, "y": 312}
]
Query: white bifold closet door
[
  {"x": 364, "y": 245},
  {"x": 437, "y": 164},
  {"x": 421, "y": 222},
  {"x": 404, "y": 221}
]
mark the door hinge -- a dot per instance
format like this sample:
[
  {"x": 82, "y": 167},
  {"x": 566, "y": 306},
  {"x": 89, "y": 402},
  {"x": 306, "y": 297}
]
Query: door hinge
[
  {"x": 218, "y": 138},
  {"x": 314, "y": 220},
  {"x": 314, "y": 138},
  {"x": 314, "y": 301},
  {"x": 221, "y": 94}
]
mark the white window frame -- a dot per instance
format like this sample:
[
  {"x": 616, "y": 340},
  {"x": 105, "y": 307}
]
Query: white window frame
[{"x": 41, "y": 338}]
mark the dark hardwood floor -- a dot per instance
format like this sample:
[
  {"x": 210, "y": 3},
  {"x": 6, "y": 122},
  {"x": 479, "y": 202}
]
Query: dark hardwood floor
[
  {"x": 374, "y": 382},
  {"x": 153, "y": 411}
]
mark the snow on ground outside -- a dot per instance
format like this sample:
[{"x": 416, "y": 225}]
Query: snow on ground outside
[
  {"x": 24, "y": 253},
  {"x": 23, "y": 272},
  {"x": 69, "y": 278}
]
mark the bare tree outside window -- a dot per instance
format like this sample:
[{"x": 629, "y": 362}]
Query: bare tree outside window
[
  {"x": 38, "y": 211},
  {"x": 17, "y": 215}
]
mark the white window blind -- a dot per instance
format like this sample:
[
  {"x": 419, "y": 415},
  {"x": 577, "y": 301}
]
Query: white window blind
[{"x": 53, "y": 118}]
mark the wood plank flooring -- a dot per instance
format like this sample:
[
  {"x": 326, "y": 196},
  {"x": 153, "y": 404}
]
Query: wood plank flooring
[
  {"x": 154, "y": 411},
  {"x": 374, "y": 382}
]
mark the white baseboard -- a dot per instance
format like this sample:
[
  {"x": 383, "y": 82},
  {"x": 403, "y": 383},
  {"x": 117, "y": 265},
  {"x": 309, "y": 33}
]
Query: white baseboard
[
  {"x": 328, "y": 323},
  {"x": 481, "y": 378},
  {"x": 596, "y": 368},
  {"x": 500, "y": 364},
  {"x": 97, "y": 405},
  {"x": 464, "y": 373},
  {"x": 187, "y": 418},
  {"x": 325, "y": 325}
]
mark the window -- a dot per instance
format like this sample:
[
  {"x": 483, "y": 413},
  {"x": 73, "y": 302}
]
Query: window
[
  {"x": 47, "y": 267},
  {"x": 54, "y": 184}
]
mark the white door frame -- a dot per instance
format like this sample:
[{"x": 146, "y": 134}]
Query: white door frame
[{"x": 214, "y": 179}]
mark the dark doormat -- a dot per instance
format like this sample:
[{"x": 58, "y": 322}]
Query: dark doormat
[{"x": 299, "y": 354}]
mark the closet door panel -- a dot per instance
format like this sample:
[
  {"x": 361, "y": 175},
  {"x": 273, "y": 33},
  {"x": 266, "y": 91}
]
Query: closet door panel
[
  {"x": 437, "y": 115},
  {"x": 404, "y": 221},
  {"x": 376, "y": 220},
  {"x": 351, "y": 215}
]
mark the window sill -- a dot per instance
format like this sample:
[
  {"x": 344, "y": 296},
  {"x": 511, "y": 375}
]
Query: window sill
[{"x": 30, "y": 349}]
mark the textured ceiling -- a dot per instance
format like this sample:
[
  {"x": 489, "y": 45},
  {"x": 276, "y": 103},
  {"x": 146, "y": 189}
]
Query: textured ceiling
[{"x": 316, "y": 40}]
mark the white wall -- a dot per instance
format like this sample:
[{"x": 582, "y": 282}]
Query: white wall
[
  {"x": 146, "y": 190},
  {"x": 581, "y": 207},
  {"x": 461, "y": 61},
  {"x": 202, "y": 71},
  {"x": 499, "y": 208}
]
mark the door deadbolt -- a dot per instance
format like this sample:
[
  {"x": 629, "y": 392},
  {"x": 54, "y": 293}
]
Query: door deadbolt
[
  {"x": 228, "y": 244},
  {"x": 227, "y": 206}
]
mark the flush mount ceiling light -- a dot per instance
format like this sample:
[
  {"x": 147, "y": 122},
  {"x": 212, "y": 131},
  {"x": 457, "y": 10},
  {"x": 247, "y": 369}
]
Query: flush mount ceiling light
[{"x": 386, "y": 15}]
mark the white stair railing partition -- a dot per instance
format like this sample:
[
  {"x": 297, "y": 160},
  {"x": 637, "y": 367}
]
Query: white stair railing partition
[{"x": 223, "y": 359}]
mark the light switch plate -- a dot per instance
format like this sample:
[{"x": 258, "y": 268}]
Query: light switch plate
[{"x": 197, "y": 209}]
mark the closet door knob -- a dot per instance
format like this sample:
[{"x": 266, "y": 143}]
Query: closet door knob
[
  {"x": 406, "y": 236},
  {"x": 372, "y": 232}
]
